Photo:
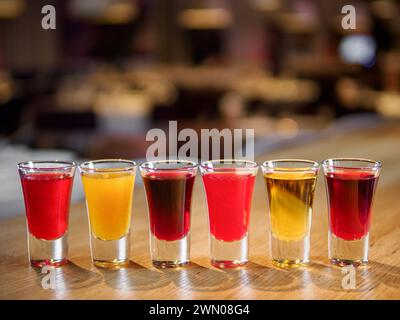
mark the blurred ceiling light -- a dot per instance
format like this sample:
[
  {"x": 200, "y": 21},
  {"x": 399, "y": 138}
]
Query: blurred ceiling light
[
  {"x": 287, "y": 128},
  {"x": 6, "y": 87},
  {"x": 348, "y": 92},
  {"x": 85, "y": 9},
  {"x": 232, "y": 105},
  {"x": 125, "y": 103},
  {"x": 118, "y": 13},
  {"x": 388, "y": 104},
  {"x": 211, "y": 18},
  {"x": 267, "y": 5},
  {"x": 104, "y": 11},
  {"x": 384, "y": 9},
  {"x": 10, "y": 9},
  {"x": 296, "y": 23},
  {"x": 358, "y": 49}
]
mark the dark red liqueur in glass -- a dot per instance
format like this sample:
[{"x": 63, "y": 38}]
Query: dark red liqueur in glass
[
  {"x": 350, "y": 201},
  {"x": 169, "y": 198}
]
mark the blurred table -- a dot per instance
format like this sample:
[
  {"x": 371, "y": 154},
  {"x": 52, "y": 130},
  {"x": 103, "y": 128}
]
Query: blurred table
[{"x": 259, "y": 280}]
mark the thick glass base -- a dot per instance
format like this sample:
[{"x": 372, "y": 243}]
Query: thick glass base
[
  {"x": 289, "y": 253},
  {"x": 170, "y": 254},
  {"x": 229, "y": 254},
  {"x": 48, "y": 252},
  {"x": 110, "y": 254},
  {"x": 348, "y": 252}
]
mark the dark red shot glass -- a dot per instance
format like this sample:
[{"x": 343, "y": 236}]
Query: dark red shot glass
[
  {"x": 350, "y": 185},
  {"x": 169, "y": 186}
]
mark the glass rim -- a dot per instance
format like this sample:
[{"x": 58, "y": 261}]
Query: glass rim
[
  {"x": 187, "y": 165},
  {"x": 208, "y": 164},
  {"x": 312, "y": 165},
  {"x": 32, "y": 165},
  {"x": 130, "y": 165},
  {"x": 376, "y": 164}
]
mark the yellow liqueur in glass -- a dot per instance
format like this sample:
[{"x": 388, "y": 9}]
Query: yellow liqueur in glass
[
  {"x": 290, "y": 188},
  {"x": 290, "y": 197},
  {"x": 108, "y": 186},
  {"x": 109, "y": 202}
]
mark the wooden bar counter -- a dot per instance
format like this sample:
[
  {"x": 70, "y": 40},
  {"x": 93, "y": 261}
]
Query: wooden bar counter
[{"x": 259, "y": 280}]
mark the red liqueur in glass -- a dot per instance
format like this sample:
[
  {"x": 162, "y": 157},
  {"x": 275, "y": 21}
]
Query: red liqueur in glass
[
  {"x": 228, "y": 185},
  {"x": 229, "y": 203},
  {"x": 47, "y": 187},
  {"x": 47, "y": 197}
]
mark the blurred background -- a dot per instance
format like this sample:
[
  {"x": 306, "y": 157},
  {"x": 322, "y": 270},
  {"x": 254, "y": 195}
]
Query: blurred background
[{"x": 113, "y": 69}]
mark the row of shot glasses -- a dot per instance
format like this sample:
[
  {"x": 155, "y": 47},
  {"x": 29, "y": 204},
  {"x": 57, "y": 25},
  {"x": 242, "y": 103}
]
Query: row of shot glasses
[{"x": 228, "y": 184}]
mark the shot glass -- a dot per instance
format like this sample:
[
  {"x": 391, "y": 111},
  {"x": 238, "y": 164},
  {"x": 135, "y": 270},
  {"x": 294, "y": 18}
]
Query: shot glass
[
  {"x": 350, "y": 185},
  {"x": 169, "y": 186},
  {"x": 47, "y": 187},
  {"x": 290, "y": 186},
  {"x": 108, "y": 186},
  {"x": 229, "y": 187}
]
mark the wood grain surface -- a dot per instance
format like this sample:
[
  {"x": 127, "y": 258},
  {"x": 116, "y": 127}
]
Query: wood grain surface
[{"x": 259, "y": 280}]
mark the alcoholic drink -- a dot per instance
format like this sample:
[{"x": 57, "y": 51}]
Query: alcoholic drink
[
  {"x": 350, "y": 185},
  {"x": 169, "y": 197},
  {"x": 290, "y": 188},
  {"x": 108, "y": 186},
  {"x": 229, "y": 202},
  {"x": 229, "y": 187},
  {"x": 47, "y": 187},
  {"x": 109, "y": 203},
  {"x": 351, "y": 195},
  {"x": 169, "y": 186},
  {"x": 47, "y": 197},
  {"x": 290, "y": 197}
]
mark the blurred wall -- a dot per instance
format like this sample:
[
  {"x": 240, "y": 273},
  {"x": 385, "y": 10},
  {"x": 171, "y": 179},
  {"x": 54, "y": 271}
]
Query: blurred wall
[{"x": 40, "y": 47}]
